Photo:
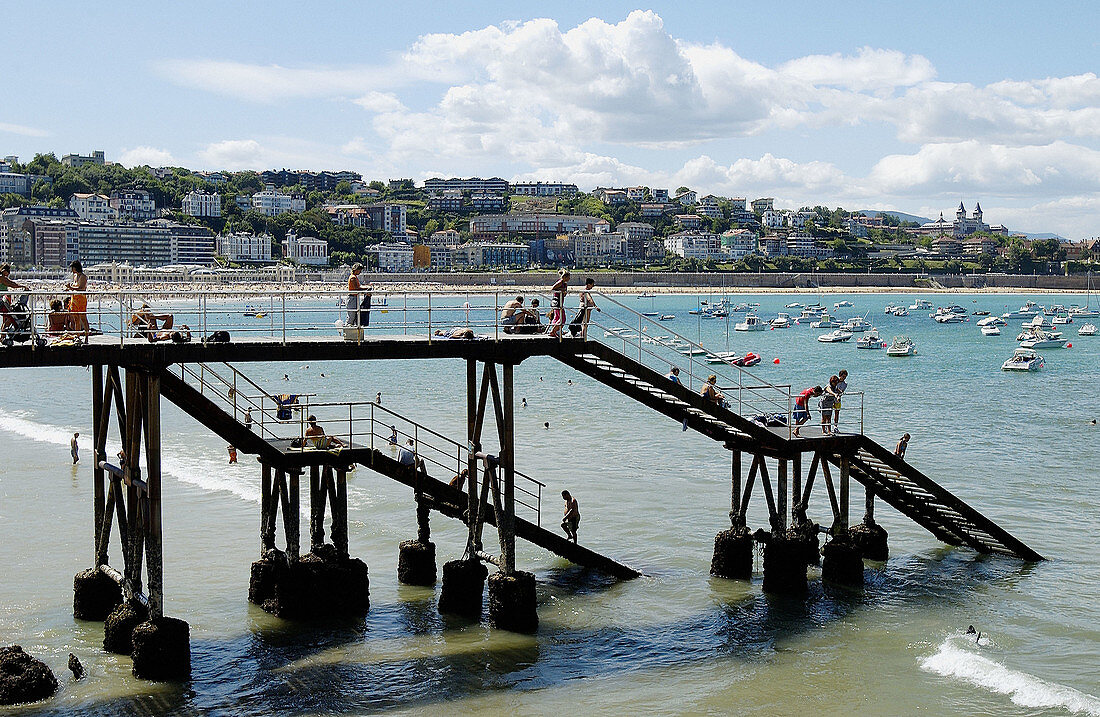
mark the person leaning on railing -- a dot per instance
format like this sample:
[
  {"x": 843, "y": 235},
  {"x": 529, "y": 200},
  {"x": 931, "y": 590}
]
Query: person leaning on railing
[{"x": 359, "y": 298}]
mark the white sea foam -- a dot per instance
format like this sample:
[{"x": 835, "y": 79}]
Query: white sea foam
[
  {"x": 953, "y": 659},
  {"x": 193, "y": 467}
]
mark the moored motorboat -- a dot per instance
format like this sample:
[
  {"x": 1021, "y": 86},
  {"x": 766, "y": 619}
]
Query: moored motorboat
[
  {"x": 1043, "y": 340},
  {"x": 870, "y": 340},
  {"x": 1087, "y": 330},
  {"x": 666, "y": 317},
  {"x": 901, "y": 346},
  {"x": 781, "y": 321},
  {"x": 752, "y": 322},
  {"x": 825, "y": 322},
  {"x": 1023, "y": 359},
  {"x": 835, "y": 336},
  {"x": 1027, "y": 311},
  {"x": 858, "y": 324},
  {"x": 990, "y": 330},
  {"x": 920, "y": 305}
]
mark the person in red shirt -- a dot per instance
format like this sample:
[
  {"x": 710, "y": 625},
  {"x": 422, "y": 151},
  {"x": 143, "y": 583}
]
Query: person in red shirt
[{"x": 802, "y": 406}]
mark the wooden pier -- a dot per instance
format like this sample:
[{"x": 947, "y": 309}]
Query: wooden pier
[{"x": 130, "y": 375}]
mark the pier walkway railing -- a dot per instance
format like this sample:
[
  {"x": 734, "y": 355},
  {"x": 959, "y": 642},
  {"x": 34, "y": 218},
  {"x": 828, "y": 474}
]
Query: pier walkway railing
[{"x": 286, "y": 316}]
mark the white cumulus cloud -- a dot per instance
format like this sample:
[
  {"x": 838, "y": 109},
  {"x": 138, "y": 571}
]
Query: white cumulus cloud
[{"x": 152, "y": 156}]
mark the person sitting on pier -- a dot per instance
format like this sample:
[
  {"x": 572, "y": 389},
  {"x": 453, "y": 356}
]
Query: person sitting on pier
[
  {"x": 460, "y": 479},
  {"x": 710, "y": 391},
  {"x": 674, "y": 374},
  {"x": 459, "y": 332},
  {"x": 571, "y": 520},
  {"x": 407, "y": 455},
  {"x": 316, "y": 435},
  {"x": 57, "y": 321},
  {"x": 145, "y": 321},
  {"x": 531, "y": 322},
  {"x": 802, "y": 406},
  {"x": 6, "y": 283},
  {"x": 512, "y": 314}
]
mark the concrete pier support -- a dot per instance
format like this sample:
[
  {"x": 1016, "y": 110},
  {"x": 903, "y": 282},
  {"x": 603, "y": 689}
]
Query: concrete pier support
[
  {"x": 95, "y": 595},
  {"x": 512, "y": 602},
  {"x": 784, "y": 564},
  {"x": 320, "y": 583},
  {"x": 162, "y": 649},
  {"x": 842, "y": 563},
  {"x": 871, "y": 540},
  {"x": 806, "y": 532},
  {"x": 118, "y": 628},
  {"x": 463, "y": 588},
  {"x": 732, "y": 554},
  {"x": 416, "y": 563}
]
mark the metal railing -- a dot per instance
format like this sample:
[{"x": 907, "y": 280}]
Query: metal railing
[{"x": 345, "y": 424}]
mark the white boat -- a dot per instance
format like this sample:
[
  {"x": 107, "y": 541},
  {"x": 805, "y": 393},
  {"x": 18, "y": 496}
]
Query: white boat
[
  {"x": 1054, "y": 310},
  {"x": 902, "y": 346},
  {"x": 1086, "y": 311},
  {"x": 835, "y": 336},
  {"x": 900, "y": 311},
  {"x": 890, "y": 308},
  {"x": 858, "y": 324},
  {"x": 992, "y": 321},
  {"x": 793, "y": 305},
  {"x": 739, "y": 308},
  {"x": 871, "y": 340},
  {"x": 650, "y": 313},
  {"x": 948, "y": 317},
  {"x": 693, "y": 352},
  {"x": 1037, "y": 322},
  {"x": 722, "y": 357},
  {"x": 811, "y": 312},
  {"x": 842, "y": 302},
  {"x": 1044, "y": 340},
  {"x": 1087, "y": 330},
  {"x": 1023, "y": 359},
  {"x": 825, "y": 322},
  {"x": 781, "y": 321},
  {"x": 694, "y": 312},
  {"x": 920, "y": 305},
  {"x": 1027, "y": 311},
  {"x": 752, "y": 322},
  {"x": 666, "y": 317},
  {"x": 990, "y": 330},
  {"x": 1061, "y": 320}
]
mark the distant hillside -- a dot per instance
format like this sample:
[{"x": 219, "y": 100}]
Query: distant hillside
[
  {"x": 901, "y": 216},
  {"x": 1041, "y": 235}
]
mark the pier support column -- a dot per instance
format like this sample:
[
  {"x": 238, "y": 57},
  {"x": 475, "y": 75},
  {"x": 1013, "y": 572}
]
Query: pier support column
[
  {"x": 416, "y": 558},
  {"x": 842, "y": 563},
  {"x": 512, "y": 601},
  {"x": 784, "y": 564},
  {"x": 324, "y": 581},
  {"x": 732, "y": 556},
  {"x": 870, "y": 537},
  {"x": 463, "y": 588}
]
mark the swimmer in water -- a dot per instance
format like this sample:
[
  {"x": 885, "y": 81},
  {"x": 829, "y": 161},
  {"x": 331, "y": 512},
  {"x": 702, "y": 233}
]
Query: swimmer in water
[{"x": 971, "y": 631}]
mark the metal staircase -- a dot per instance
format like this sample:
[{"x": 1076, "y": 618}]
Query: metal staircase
[{"x": 210, "y": 401}]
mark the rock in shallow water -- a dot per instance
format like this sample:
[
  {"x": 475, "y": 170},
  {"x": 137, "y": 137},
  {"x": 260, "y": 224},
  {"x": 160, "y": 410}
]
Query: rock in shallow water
[{"x": 23, "y": 678}]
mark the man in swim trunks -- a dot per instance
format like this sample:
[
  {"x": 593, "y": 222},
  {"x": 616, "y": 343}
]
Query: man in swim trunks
[
  {"x": 512, "y": 314},
  {"x": 316, "y": 435},
  {"x": 572, "y": 518},
  {"x": 802, "y": 406},
  {"x": 78, "y": 304}
]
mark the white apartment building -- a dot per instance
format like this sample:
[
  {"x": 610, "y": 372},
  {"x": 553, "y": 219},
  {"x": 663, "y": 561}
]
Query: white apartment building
[
  {"x": 445, "y": 237},
  {"x": 708, "y": 207},
  {"x": 544, "y": 189},
  {"x": 738, "y": 243},
  {"x": 797, "y": 220},
  {"x": 92, "y": 207},
  {"x": 738, "y": 204},
  {"x": 592, "y": 249},
  {"x": 393, "y": 256},
  {"x": 805, "y": 245},
  {"x": 245, "y": 247},
  {"x": 200, "y": 204},
  {"x": 635, "y": 194},
  {"x": 271, "y": 203},
  {"x": 772, "y": 219},
  {"x": 694, "y": 245},
  {"x": 759, "y": 206},
  {"x": 305, "y": 250},
  {"x": 687, "y": 198},
  {"x": 135, "y": 204}
]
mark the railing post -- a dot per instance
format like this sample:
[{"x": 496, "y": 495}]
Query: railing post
[
  {"x": 405, "y": 312},
  {"x": 121, "y": 325},
  {"x": 429, "y": 316},
  {"x": 496, "y": 316},
  {"x": 284, "y": 318},
  {"x": 372, "y": 426}
]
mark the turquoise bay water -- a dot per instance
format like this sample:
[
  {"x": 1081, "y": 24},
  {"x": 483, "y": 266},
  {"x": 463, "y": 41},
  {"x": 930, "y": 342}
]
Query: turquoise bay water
[{"x": 1017, "y": 447}]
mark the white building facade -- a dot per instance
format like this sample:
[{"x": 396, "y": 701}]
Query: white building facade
[
  {"x": 200, "y": 204},
  {"x": 245, "y": 247},
  {"x": 271, "y": 203},
  {"x": 92, "y": 207},
  {"x": 305, "y": 250}
]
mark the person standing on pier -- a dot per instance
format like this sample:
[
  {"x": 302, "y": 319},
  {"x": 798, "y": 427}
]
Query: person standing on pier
[
  {"x": 587, "y": 304},
  {"x": 802, "y": 406},
  {"x": 78, "y": 304},
  {"x": 557, "y": 307},
  {"x": 841, "y": 387},
  {"x": 75, "y": 449},
  {"x": 354, "y": 294},
  {"x": 828, "y": 400},
  {"x": 572, "y": 518},
  {"x": 899, "y": 450}
]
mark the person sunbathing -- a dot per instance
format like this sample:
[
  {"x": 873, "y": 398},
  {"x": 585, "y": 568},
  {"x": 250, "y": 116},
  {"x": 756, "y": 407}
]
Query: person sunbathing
[
  {"x": 460, "y": 332},
  {"x": 146, "y": 323}
]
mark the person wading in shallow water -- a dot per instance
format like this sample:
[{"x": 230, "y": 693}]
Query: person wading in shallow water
[{"x": 572, "y": 517}]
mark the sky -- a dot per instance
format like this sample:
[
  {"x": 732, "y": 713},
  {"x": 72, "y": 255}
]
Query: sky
[{"x": 913, "y": 107}]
